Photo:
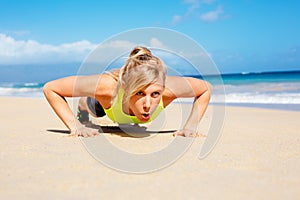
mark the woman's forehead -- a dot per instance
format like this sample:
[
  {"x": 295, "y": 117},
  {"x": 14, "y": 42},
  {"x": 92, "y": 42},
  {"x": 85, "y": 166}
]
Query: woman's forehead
[{"x": 158, "y": 85}]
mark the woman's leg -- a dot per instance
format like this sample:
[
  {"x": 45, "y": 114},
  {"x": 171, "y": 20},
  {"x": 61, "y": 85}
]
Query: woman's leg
[
  {"x": 83, "y": 106},
  {"x": 88, "y": 105},
  {"x": 94, "y": 107},
  {"x": 83, "y": 111}
]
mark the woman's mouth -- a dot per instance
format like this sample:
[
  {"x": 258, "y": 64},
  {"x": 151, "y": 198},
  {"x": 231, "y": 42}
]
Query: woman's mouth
[{"x": 145, "y": 116}]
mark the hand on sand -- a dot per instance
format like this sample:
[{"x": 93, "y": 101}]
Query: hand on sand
[
  {"x": 84, "y": 132},
  {"x": 188, "y": 133}
]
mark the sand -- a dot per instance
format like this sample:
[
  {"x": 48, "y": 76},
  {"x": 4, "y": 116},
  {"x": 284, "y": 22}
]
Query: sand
[{"x": 256, "y": 157}]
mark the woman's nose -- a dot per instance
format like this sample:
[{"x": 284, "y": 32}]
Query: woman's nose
[{"x": 147, "y": 104}]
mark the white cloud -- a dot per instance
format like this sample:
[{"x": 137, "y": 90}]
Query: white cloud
[
  {"x": 14, "y": 51},
  {"x": 154, "y": 42},
  {"x": 194, "y": 4},
  {"x": 212, "y": 15},
  {"x": 193, "y": 11},
  {"x": 176, "y": 19}
]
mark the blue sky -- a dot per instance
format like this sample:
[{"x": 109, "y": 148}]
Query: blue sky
[{"x": 240, "y": 36}]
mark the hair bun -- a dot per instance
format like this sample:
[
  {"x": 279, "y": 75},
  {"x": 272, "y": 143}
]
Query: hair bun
[{"x": 141, "y": 53}]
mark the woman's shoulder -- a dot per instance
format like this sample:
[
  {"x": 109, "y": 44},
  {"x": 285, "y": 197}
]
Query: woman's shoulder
[
  {"x": 106, "y": 85},
  {"x": 186, "y": 86},
  {"x": 173, "y": 82},
  {"x": 169, "y": 94},
  {"x": 105, "y": 89}
]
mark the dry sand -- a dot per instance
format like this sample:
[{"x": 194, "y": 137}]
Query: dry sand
[{"x": 256, "y": 157}]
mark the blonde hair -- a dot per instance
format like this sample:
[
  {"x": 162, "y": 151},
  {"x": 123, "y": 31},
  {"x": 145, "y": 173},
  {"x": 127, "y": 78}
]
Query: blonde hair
[{"x": 140, "y": 69}]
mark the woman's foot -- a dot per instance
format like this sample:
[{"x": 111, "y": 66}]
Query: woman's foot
[{"x": 83, "y": 115}]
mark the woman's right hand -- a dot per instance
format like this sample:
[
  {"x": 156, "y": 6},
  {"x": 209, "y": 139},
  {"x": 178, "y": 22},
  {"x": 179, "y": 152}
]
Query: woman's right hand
[{"x": 84, "y": 132}]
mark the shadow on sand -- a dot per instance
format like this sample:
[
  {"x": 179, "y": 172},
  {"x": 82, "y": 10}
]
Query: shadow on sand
[{"x": 135, "y": 131}]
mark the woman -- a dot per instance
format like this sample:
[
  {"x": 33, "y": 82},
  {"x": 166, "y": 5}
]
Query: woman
[{"x": 134, "y": 94}]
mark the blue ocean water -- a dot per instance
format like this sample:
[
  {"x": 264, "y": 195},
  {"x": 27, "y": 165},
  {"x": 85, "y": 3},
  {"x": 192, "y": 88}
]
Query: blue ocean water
[
  {"x": 280, "y": 90},
  {"x": 28, "y": 80},
  {"x": 267, "y": 89}
]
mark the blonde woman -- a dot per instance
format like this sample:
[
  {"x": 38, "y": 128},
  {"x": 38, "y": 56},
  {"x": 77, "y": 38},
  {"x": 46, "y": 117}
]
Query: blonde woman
[{"x": 136, "y": 93}]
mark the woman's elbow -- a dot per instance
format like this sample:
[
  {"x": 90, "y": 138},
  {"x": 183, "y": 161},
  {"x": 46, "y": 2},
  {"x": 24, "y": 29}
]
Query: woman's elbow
[
  {"x": 209, "y": 88},
  {"x": 206, "y": 92},
  {"x": 47, "y": 88}
]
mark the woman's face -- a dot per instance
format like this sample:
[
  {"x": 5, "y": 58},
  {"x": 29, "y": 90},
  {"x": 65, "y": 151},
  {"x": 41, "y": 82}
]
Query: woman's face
[{"x": 145, "y": 101}]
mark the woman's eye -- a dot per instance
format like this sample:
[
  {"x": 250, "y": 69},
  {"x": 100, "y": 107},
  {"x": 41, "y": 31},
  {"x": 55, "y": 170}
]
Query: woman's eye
[
  {"x": 139, "y": 93},
  {"x": 156, "y": 94}
]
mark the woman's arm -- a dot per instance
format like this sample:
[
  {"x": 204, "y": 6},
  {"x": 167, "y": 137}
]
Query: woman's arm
[
  {"x": 74, "y": 86},
  {"x": 191, "y": 87}
]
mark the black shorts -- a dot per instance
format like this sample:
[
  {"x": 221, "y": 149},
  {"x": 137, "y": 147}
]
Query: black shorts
[{"x": 95, "y": 107}]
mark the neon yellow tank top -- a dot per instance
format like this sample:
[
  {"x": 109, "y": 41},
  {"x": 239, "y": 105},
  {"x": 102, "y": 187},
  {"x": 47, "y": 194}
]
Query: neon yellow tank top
[{"x": 116, "y": 114}]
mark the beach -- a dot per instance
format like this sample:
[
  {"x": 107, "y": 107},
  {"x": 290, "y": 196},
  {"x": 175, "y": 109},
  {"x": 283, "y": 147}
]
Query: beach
[{"x": 257, "y": 156}]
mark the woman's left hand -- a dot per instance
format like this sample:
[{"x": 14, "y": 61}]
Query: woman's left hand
[{"x": 186, "y": 133}]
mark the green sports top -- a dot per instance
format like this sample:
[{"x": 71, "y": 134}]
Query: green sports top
[{"x": 116, "y": 114}]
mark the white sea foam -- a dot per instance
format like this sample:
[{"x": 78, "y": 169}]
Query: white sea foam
[
  {"x": 282, "y": 98},
  {"x": 21, "y": 92},
  {"x": 262, "y": 93},
  {"x": 31, "y": 84}
]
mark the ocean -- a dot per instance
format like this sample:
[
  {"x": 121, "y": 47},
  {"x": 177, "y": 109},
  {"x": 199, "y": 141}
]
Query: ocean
[
  {"x": 279, "y": 90},
  {"x": 274, "y": 90}
]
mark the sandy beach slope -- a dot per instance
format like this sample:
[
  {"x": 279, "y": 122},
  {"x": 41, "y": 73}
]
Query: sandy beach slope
[{"x": 256, "y": 157}]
